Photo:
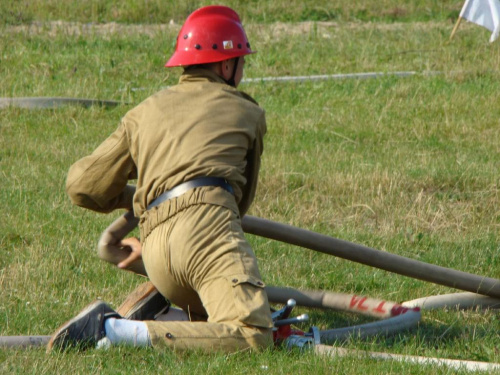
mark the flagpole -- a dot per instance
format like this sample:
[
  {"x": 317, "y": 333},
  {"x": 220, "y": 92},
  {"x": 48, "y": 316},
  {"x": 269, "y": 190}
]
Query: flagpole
[{"x": 456, "y": 27}]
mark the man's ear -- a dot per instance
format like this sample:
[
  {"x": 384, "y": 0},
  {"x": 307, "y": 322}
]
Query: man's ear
[{"x": 227, "y": 69}]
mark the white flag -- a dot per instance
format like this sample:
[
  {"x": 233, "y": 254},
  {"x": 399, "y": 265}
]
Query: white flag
[{"x": 485, "y": 13}]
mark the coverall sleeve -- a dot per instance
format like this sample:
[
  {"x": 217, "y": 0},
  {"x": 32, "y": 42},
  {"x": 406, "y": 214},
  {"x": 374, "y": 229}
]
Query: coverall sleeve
[
  {"x": 253, "y": 167},
  {"x": 99, "y": 181}
]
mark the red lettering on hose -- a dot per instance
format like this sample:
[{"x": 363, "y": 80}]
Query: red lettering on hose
[
  {"x": 359, "y": 302},
  {"x": 379, "y": 308}
]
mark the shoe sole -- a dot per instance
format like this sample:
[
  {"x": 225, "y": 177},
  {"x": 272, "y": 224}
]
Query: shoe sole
[
  {"x": 58, "y": 339},
  {"x": 144, "y": 303}
]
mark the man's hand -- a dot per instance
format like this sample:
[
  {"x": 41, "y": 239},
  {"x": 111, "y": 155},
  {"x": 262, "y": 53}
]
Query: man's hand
[{"x": 135, "y": 251}]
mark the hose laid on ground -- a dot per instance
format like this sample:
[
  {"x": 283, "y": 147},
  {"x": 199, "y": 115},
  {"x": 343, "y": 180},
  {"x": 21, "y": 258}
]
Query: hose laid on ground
[
  {"x": 395, "y": 317},
  {"x": 56, "y": 102},
  {"x": 297, "y": 236},
  {"x": 323, "y": 77},
  {"x": 340, "y": 302},
  {"x": 118, "y": 229},
  {"x": 454, "y": 301},
  {"x": 23, "y": 342},
  {"x": 372, "y": 307},
  {"x": 53, "y": 102},
  {"x": 389, "y": 326},
  {"x": 314, "y": 241}
]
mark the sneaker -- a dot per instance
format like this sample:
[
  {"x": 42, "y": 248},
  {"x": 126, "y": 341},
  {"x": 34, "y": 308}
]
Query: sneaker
[
  {"x": 144, "y": 303},
  {"x": 85, "y": 329}
]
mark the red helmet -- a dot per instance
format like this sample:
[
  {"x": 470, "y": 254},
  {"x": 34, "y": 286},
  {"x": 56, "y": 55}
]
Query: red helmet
[{"x": 210, "y": 34}]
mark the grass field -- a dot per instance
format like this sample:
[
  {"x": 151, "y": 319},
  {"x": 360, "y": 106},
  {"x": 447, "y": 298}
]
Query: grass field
[{"x": 405, "y": 165}]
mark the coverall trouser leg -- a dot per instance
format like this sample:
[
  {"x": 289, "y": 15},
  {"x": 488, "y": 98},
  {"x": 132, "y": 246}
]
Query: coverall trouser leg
[{"x": 200, "y": 260}]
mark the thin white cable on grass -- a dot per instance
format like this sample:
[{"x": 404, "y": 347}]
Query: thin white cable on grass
[
  {"x": 55, "y": 102},
  {"x": 324, "y": 77},
  {"x": 456, "y": 364}
]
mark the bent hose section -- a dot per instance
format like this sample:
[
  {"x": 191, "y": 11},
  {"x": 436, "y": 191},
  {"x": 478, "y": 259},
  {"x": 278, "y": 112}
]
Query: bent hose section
[{"x": 484, "y": 292}]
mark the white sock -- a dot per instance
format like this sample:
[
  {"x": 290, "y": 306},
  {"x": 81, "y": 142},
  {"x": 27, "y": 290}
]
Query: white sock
[
  {"x": 174, "y": 314},
  {"x": 130, "y": 332}
]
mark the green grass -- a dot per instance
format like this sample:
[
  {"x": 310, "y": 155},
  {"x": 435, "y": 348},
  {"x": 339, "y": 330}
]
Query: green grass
[
  {"x": 157, "y": 11},
  {"x": 405, "y": 165}
]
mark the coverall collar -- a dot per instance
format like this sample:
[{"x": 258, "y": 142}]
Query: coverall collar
[{"x": 200, "y": 75}]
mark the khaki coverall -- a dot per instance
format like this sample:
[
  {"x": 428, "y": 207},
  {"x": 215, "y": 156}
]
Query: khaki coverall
[{"x": 194, "y": 249}]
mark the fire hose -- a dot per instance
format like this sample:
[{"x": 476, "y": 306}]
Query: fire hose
[
  {"x": 482, "y": 291},
  {"x": 394, "y": 317}
]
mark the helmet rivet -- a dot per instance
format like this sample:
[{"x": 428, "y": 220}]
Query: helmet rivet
[
  {"x": 239, "y": 45},
  {"x": 186, "y": 36},
  {"x": 197, "y": 46},
  {"x": 214, "y": 46}
]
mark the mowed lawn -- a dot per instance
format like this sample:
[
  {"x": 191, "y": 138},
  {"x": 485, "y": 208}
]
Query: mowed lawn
[{"x": 405, "y": 164}]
